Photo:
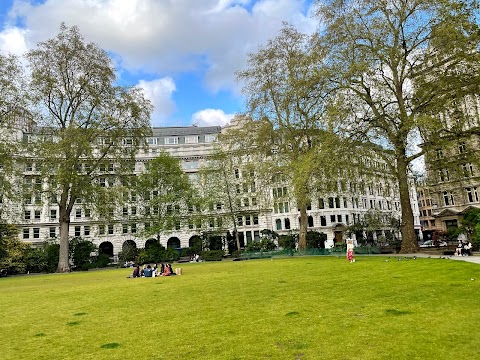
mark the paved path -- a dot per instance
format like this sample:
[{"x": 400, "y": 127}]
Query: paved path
[{"x": 473, "y": 259}]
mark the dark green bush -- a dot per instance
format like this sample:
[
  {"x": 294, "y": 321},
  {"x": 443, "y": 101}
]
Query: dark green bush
[
  {"x": 102, "y": 261},
  {"x": 157, "y": 254},
  {"x": 35, "y": 260},
  {"x": 80, "y": 251},
  {"x": 212, "y": 255}
]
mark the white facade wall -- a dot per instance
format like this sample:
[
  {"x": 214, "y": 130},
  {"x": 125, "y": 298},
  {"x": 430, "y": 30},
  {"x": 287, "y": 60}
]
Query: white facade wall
[{"x": 192, "y": 145}]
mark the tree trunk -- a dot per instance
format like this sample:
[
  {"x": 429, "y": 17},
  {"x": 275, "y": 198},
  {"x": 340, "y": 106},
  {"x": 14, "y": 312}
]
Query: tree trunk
[
  {"x": 302, "y": 238},
  {"x": 237, "y": 240},
  {"x": 409, "y": 239},
  {"x": 63, "y": 258}
]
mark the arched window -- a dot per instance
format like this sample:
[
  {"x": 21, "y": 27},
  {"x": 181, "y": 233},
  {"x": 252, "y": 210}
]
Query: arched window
[
  {"x": 310, "y": 221},
  {"x": 287, "y": 224},
  {"x": 278, "y": 223},
  {"x": 173, "y": 243}
]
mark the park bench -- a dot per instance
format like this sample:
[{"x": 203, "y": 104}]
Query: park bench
[{"x": 183, "y": 259}]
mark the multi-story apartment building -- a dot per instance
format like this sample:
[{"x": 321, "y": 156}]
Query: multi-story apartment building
[
  {"x": 453, "y": 169},
  {"x": 192, "y": 145},
  {"x": 425, "y": 205},
  {"x": 454, "y": 181}
]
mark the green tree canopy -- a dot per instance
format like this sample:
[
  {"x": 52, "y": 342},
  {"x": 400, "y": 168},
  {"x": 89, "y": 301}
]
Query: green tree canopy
[
  {"x": 288, "y": 125},
  {"x": 89, "y": 129},
  {"x": 396, "y": 67},
  {"x": 167, "y": 194}
]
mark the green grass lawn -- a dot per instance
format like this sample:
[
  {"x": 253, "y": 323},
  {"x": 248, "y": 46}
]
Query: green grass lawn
[{"x": 289, "y": 308}]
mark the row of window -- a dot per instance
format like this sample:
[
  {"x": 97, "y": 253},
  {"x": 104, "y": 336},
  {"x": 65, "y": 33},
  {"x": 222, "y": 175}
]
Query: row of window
[
  {"x": 336, "y": 203},
  {"x": 467, "y": 171},
  {"x": 471, "y": 196},
  {"x": 174, "y": 140},
  {"x": 323, "y": 221},
  {"x": 52, "y": 232},
  {"x": 462, "y": 148}
]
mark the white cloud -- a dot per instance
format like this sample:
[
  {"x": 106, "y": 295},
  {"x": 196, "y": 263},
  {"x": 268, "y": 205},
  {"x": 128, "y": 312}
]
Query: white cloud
[
  {"x": 212, "y": 36},
  {"x": 211, "y": 117},
  {"x": 159, "y": 92},
  {"x": 12, "y": 41}
]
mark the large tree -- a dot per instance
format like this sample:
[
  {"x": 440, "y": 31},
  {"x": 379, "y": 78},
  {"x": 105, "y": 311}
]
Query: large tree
[
  {"x": 13, "y": 115},
  {"x": 166, "y": 194},
  {"x": 89, "y": 129},
  {"x": 229, "y": 185},
  {"x": 396, "y": 66},
  {"x": 287, "y": 102}
]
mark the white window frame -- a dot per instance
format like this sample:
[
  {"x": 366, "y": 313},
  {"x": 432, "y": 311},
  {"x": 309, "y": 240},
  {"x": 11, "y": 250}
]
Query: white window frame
[
  {"x": 209, "y": 138},
  {"x": 191, "y": 139},
  {"x": 152, "y": 141},
  {"x": 172, "y": 140}
]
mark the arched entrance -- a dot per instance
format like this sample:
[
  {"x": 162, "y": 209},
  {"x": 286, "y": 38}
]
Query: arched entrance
[
  {"x": 173, "y": 243},
  {"x": 195, "y": 243},
  {"x": 106, "y": 248},
  {"x": 151, "y": 242},
  {"x": 129, "y": 250}
]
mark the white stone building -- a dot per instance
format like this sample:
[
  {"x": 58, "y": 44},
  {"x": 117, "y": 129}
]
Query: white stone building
[{"x": 330, "y": 214}]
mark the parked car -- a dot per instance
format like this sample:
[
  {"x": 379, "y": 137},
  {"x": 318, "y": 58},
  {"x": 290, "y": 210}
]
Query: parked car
[{"x": 431, "y": 243}]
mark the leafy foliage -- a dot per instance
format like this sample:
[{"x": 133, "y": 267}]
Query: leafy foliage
[
  {"x": 11, "y": 250},
  {"x": 81, "y": 252},
  {"x": 166, "y": 192},
  {"x": 316, "y": 240},
  {"x": 402, "y": 71},
  {"x": 87, "y": 126},
  {"x": 156, "y": 253},
  {"x": 212, "y": 255}
]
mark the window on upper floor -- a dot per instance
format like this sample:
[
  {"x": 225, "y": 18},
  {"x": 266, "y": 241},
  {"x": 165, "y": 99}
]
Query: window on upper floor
[
  {"x": 210, "y": 138},
  {"x": 448, "y": 198},
  {"x": 192, "y": 139},
  {"x": 472, "y": 194},
  {"x": 323, "y": 221},
  {"x": 278, "y": 224},
  {"x": 439, "y": 153},
  {"x": 172, "y": 140},
  {"x": 152, "y": 141},
  {"x": 467, "y": 170},
  {"x": 321, "y": 203}
]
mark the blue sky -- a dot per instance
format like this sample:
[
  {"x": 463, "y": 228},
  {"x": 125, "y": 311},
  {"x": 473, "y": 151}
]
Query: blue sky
[{"x": 184, "y": 53}]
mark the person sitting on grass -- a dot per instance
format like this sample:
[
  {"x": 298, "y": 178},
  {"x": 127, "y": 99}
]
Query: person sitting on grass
[
  {"x": 166, "y": 270},
  {"x": 136, "y": 272},
  {"x": 148, "y": 271}
]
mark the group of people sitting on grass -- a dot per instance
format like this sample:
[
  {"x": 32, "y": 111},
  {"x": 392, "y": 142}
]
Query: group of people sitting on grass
[
  {"x": 149, "y": 271},
  {"x": 463, "y": 249}
]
